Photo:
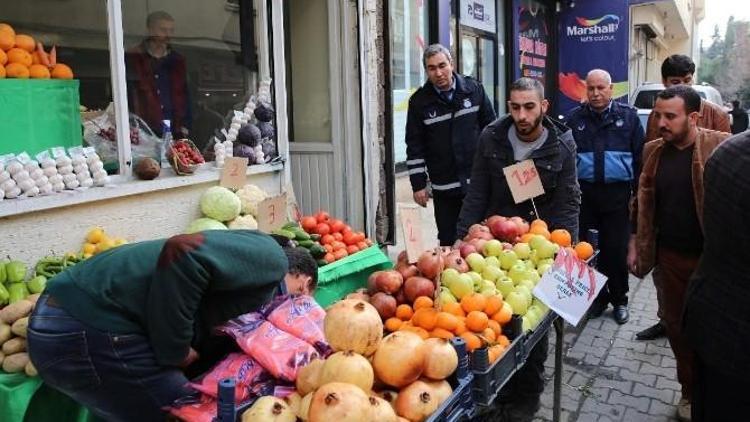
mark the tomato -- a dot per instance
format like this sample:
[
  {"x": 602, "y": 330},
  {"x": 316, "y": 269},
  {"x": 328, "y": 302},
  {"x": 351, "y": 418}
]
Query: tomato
[
  {"x": 338, "y": 236},
  {"x": 359, "y": 236},
  {"x": 337, "y": 225},
  {"x": 350, "y": 238},
  {"x": 352, "y": 249},
  {"x": 309, "y": 223},
  {"x": 329, "y": 257},
  {"x": 340, "y": 253},
  {"x": 326, "y": 239},
  {"x": 322, "y": 229},
  {"x": 346, "y": 229},
  {"x": 362, "y": 245},
  {"x": 328, "y": 247},
  {"x": 322, "y": 217},
  {"x": 338, "y": 245}
]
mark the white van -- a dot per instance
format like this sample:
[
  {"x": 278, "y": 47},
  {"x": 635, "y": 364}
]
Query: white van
[{"x": 644, "y": 97}]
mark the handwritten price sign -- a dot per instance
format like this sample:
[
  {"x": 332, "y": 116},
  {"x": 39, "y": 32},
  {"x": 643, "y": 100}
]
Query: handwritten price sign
[
  {"x": 234, "y": 173},
  {"x": 411, "y": 223},
  {"x": 272, "y": 213},
  {"x": 523, "y": 180}
]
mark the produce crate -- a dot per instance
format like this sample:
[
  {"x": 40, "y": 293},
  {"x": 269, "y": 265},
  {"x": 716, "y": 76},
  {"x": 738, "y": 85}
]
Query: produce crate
[
  {"x": 344, "y": 276},
  {"x": 490, "y": 379},
  {"x": 533, "y": 337},
  {"x": 459, "y": 406}
]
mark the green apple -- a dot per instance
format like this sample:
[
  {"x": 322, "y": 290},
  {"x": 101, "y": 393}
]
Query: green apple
[
  {"x": 507, "y": 259},
  {"x": 546, "y": 250},
  {"x": 523, "y": 250},
  {"x": 493, "y": 247},
  {"x": 487, "y": 284},
  {"x": 492, "y": 273},
  {"x": 446, "y": 296},
  {"x": 489, "y": 292},
  {"x": 536, "y": 241},
  {"x": 526, "y": 324},
  {"x": 492, "y": 261},
  {"x": 504, "y": 285},
  {"x": 548, "y": 261},
  {"x": 462, "y": 286},
  {"x": 518, "y": 272},
  {"x": 529, "y": 264},
  {"x": 534, "y": 276},
  {"x": 517, "y": 301},
  {"x": 543, "y": 268},
  {"x": 448, "y": 276},
  {"x": 534, "y": 314},
  {"x": 527, "y": 283},
  {"x": 526, "y": 293},
  {"x": 476, "y": 262}
]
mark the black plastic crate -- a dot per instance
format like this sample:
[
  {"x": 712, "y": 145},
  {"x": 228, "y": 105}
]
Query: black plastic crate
[{"x": 490, "y": 379}]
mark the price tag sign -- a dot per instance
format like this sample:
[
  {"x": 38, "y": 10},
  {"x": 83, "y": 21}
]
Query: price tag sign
[
  {"x": 272, "y": 213},
  {"x": 292, "y": 207},
  {"x": 411, "y": 224},
  {"x": 523, "y": 180},
  {"x": 234, "y": 172},
  {"x": 569, "y": 287}
]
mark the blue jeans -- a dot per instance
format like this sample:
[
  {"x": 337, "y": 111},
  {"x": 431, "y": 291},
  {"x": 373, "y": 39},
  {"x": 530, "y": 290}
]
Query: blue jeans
[{"x": 116, "y": 376}]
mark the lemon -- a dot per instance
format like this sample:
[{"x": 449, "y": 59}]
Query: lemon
[
  {"x": 95, "y": 235},
  {"x": 88, "y": 248}
]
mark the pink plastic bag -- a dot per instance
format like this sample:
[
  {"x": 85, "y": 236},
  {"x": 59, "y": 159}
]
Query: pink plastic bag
[
  {"x": 245, "y": 371},
  {"x": 279, "y": 352},
  {"x": 203, "y": 411},
  {"x": 302, "y": 317}
]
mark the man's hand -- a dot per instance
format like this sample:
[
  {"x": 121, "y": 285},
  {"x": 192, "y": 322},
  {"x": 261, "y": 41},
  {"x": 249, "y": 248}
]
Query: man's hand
[
  {"x": 632, "y": 255},
  {"x": 421, "y": 197},
  {"x": 191, "y": 357}
]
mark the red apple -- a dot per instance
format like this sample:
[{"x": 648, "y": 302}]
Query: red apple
[
  {"x": 523, "y": 226},
  {"x": 505, "y": 230},
  {"x": 493, "y": 219}
]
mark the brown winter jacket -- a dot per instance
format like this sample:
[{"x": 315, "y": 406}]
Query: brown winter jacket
[
  {"x": 711, "y": 116},
  {"x": 645, "y": 201}
]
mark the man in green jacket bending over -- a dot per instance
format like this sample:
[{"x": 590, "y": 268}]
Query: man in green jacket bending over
[{"x": 115, "y": 331}]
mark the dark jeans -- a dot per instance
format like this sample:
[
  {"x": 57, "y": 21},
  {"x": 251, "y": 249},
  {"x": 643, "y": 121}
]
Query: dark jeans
[
  {"x": 613, "y": 224},
  {"x": 447, "y": 208},
  {"x": 718, "y": 395},
  {"x": 116, "y": 376}
]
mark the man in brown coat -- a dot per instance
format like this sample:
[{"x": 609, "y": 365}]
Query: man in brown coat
[
  {"x": 678, "y": 69},
  {"x": 667, "y": 211}
]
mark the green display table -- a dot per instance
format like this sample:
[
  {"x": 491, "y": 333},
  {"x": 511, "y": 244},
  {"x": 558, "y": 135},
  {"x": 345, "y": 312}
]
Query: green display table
[
  {"x": 29, "y": 399},
  {"x": 346, "y": 275}
]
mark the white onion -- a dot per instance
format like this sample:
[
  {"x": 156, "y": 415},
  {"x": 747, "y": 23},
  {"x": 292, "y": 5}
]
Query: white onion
[
  {"x": 57, "y": 187},
  {"x": 8, "y": 185},
  {"x": 49, "y": 171},
  {"x": 69, "y": 178},
  {"x": 63, "y": 161},
  {"x": 96, "y": 165},
  {"x": 45, "y": 189},
  {"x": 83, "y": 176},
  {"x": 26, "y": 184},
  {"x": 66, "y": 169},
  {"x": 80, "y": 168},
  {"x": 48, "y": 163},
  {"x": 72, "y": 185},
  {"x": 4, "y": 175},
  {"x": 36, "y": 173},
  {"x": 34, "y": 191},
  {"x": 14, "y": 167},
  {"x": 55, "y": 178},
  {"x": 99, "y": 174},
  {"x": 31, "y": 166},
  {"x": 20, "y": 175},
  {"x": 78, "y": 160},
  {"x": 13, "y": 192},
  {"x": 42, "y": 180},
  {"x": 87, "y": 183}
]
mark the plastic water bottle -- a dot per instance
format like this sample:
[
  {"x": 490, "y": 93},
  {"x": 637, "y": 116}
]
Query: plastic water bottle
[{"x": 166, "y": 138}]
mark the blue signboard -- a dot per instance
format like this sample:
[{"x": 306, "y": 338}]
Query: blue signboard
[{"x": 592, "y": 35}]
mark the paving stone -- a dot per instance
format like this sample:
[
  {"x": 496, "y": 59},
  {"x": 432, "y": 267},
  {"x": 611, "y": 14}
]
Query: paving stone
[
  {"x": 653, "y": 359},
  {"x": 647, "y": 368},
  {"x": 668, "y": 362},
  {"x": 665, "y": 395},
  {"x": 588, "y": 417},
  {"x": 646, "y": 379},
  {"x": 656, "y": 349},
  {"x": 624, "y": 387},
  {"x": 632, "y": 415},
  {"x": 614, "y": 411},
  {"x": 618, "y": 362},
  {"x": 640, "y": 403},
  {"x": 664, "y": 382},
  {"x": 659, "y": 408}
]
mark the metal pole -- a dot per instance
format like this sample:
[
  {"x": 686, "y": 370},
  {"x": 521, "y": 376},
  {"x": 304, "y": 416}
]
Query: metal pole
[{"x": 559, "y": 339}]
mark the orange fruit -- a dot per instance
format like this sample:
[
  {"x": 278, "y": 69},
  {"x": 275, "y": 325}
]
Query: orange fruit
[
  {"x": 2, "y": 72},
  {"x": 423, "y": 302},
  {"x": 460, "y": 326},
  {"x": 447, "y": 321},
  {"x": 526, "y": 237},
  {"x": 503, "y": 315},
  {"x": 503, "y": 340},
  {"x": 7, "y": 40},
  {"x": 393, "y": 324},
  {"x": 404, "y": 312},
  {"x": 421, "y": 332},
  {"x": 405, "y": 326},
  {"x": 473, "y": 302},
  {"x": 476, "y": 321},
  {"x": 426, "y": 318},
  {"x": 25, "y": 42},
  {"x": 494, "y": 304},
  {"x": 584, "y": 250},
  {"x": 561, "y": 237},
  {"x": 454, "y": 308},
  {"x": 17, "y": 55},
  {"x": 489, "y": 335},
  {"x": 495, "y": 326},
  {"x": 441, "y": 333},
  {"x": 538, "y": 223},
  {"x": 17, "y": 70},
  {"x": 539, "y": 229},
  {"x": 62, "y": 71},
  {"x": 5, "y": 28},
  {"x": 495, "y": 352},
  {"x": 3, "y": 57},
  {"x": 473, "y": 342},
  {"x": 38, "y": 71}
]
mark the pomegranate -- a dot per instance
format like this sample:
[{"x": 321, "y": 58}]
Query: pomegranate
[
  {"x": 399, "y": 359},
  {"x": 360, "y": 294},
  {"x": 304, "y": 406},
  {"x": 440, "y": 359},
  {"x": 348, "y": 367},
  {"x": 430, "y": 263},
  {"x": 523, "y": 226},
  {"x": 385, "y": 304},
  {"x": 441, "y": 390},
  {"x": 418, "y": 286},
  {"x": 407, "y": 270},
  {"x": 269, "y": 409},
  {"x": 388, "y": 281},
  {"x": 353, "y": 325},
  {"x": 478, "y": 228},
  {"x": 504, "y": 230},
  {"x": 308, "y": 377},
  {"x": 389, "y": 396},
  {"x": 339, "y": 401},
  {"x": 371, "y": 285},
  {"x": 416, "y": 402},
  {"x": 381, "y": 410},
  {"x": 402, "y": 258},
  {"x": 457, "y": 263},
  {"x": 491, "y": 220},
  {"x": 293, "y": 401},
  {"x": 400, "y": 297}
]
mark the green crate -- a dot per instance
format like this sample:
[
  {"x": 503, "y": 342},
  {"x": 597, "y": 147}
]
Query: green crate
[
  {"x": 38, "y": 114},
  {"x": 344, "y": 276}
]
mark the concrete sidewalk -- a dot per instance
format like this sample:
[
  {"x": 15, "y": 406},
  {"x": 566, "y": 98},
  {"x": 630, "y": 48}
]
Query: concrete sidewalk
[{"x": 607, "y": 374}]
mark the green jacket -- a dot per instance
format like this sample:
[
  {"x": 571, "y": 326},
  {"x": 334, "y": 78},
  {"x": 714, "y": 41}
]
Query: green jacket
[{"x": 174, "y": 291}]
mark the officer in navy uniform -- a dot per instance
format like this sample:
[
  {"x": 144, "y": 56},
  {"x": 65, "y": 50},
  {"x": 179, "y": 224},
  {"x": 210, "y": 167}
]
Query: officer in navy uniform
[
  {"x": 610, "y": 138},
  {"x": 445, "y": 117}
]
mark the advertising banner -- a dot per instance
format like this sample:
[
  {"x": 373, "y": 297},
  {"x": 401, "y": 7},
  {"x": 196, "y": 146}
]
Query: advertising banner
[
  {"x": 592, "y": 35},
  {"x": 479, "y": 14},
  {"x": 531, "y": 39}
]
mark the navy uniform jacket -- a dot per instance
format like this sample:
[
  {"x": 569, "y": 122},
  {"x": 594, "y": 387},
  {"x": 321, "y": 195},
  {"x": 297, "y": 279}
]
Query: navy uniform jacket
[{"x": 441, "y": 135}]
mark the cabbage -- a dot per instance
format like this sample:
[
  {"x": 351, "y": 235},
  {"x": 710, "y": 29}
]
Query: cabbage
[
  {"x": 220, "y": 204},
  {"x": 204, "y": 223},
  {"x": 251, "y": 196},
  {"x": 244, "y": 222}
]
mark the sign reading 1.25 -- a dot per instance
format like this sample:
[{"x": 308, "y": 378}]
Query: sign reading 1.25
[{"x": 523, "y": 181}]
